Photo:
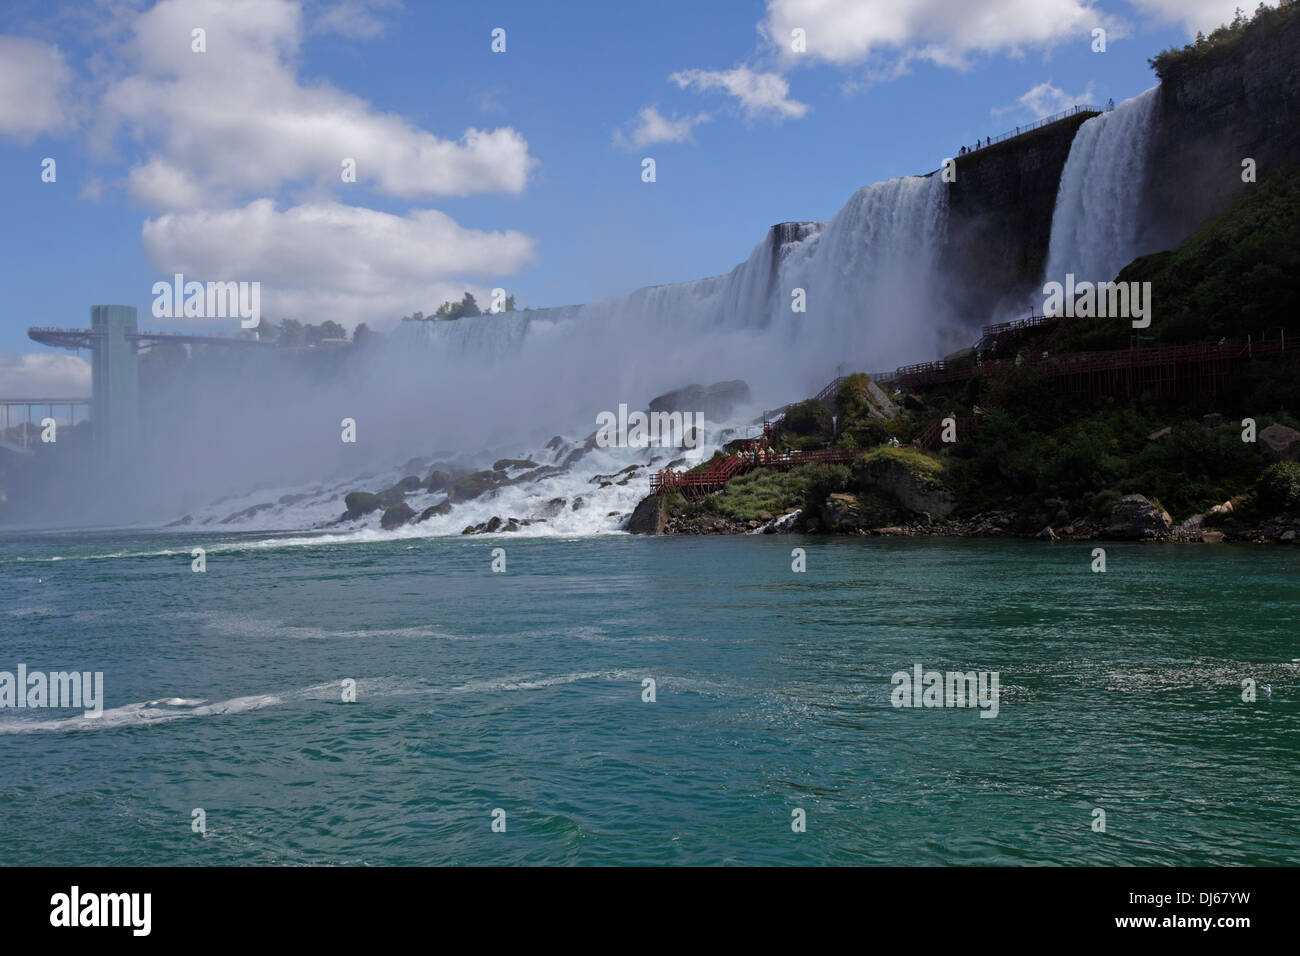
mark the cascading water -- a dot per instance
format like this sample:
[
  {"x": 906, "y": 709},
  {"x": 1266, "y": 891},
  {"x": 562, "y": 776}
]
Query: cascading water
[
  {"x": 1096, "y": 227},
  {"x": 868, "y": 277},
  {"x": 870, "y": 283}
]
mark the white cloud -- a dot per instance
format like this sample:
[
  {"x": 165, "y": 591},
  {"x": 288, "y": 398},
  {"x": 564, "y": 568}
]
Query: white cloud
[
  {"x": 1194, "y": 15},
  {"x": 331, "y": 261},
  {"x": 946, "y": 32},
  {"x": 355, "y": 19},
  {"x": 44, "y": 375},
  {"x": 759, "y": 94},
  {"x": 34, "y": 81},
  {"x": 1045, "y": 100},
  {"x": 236, "y": 121},
  {"x": 651, "y": 126}
]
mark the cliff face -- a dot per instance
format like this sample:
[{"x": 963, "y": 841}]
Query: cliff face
[
  {"x": 1000, "y": 218},
  {"x": 1238, "y": 101}
]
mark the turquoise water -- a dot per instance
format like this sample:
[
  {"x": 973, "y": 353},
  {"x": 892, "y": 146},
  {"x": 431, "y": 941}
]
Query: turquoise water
[{"x": 522, "y": 691}]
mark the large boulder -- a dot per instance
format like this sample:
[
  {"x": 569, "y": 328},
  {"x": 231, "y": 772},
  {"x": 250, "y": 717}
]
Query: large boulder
[
  {"x": 396, "y": 516},
  {"x": 469, "y": 487},
  {"x": 848, "y": 513},
  {"x": 504, "y": 464},
  {"x": 716, "y": 401},
  {"x": 551, "y": 508},
  {"x": 359, "y": 503},
  {"x": 1134, "y": 517},
  {"x": 881, "y": 404},
  {"x": 649, "y": 517},
  {"x": 391, "y": 496},
  {"x": 910, "y": 478},
  {"x": 438, "y": 481},
  {"x": 427, "y": 513},
  {"x": 1279, "y": 443},
  {"x": 861, "y": 391}
]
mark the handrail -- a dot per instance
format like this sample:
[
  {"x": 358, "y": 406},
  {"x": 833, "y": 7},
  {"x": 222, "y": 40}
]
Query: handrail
[{"x": 1037, "y": 124}]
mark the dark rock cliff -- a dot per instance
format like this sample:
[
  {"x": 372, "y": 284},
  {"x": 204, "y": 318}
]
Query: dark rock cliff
[
  {"x": 1230, "y": 103},
  {"x": 1000, "y": 218}
]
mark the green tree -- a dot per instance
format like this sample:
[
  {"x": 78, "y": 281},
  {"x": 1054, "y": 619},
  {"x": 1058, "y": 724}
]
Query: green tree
[{"x": 291, "y": 332}]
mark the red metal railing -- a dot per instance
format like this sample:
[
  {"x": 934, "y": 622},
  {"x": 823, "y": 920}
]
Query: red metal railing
[
  {"x": 1207, "y": 364},
  {"x": 932, "y": 434}
]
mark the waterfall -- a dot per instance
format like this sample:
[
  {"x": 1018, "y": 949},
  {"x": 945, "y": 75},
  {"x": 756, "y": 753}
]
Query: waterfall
[
  {"x": 1096, "y": 227},
  {"x": 869, "y": 279}
]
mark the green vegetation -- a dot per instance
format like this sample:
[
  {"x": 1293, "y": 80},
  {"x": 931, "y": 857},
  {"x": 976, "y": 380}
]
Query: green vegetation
[
  {"x": 467, "y": 307},
  {"x": 807, "y": 418},
  {"x": 291, "y": 332},
  {"x": 822, "y": 481},
  {"x": 749, "y": 497},
  {"x": 1237, "y": 277},
  {"x": 925, "y": 467},
  {"x": 1242, "y": 29},
  {"x": 1279, "y": 486},
  {"x": 1084, "y": 464}
]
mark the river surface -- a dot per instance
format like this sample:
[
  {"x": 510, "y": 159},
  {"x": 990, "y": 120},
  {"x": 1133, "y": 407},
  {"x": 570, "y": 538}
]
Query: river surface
[{"x": 519, "y": 696}]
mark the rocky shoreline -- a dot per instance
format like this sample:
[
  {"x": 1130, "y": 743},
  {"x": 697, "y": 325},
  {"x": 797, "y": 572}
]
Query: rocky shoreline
[{"x": 1133, "y": 519}]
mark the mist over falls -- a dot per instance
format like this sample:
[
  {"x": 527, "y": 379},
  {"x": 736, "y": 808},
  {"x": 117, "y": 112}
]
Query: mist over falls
[{"x": 885, "y": 282}]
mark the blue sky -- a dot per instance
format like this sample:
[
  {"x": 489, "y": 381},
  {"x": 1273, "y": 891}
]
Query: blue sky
[{"x": 477, "y": 169}]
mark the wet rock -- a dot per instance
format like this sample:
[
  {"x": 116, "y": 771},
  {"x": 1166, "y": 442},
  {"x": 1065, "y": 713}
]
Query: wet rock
[
  {"x": 247, "y": 512},
  {"x": 1280, "y": 443},
  {"x": 551, "y": 508},
  {"x": 358, "y": 504},
  {"x": 649, "y": 516},
  {"x": 537, "y": 474},
  {"x": 915, "y": 492},
  {"x": 503, "y": 464},
  {"x": 1135, "y": 517},
  {"x": 434, "y": 510},
  {"x": 716, "y": 401},
  {"x": 391, "y": 496},
  {"x": 493, "y": 523},
  {"x": 842, "y": 513},
  {"x": 409, "y": 484},
  {"x": 180, "y": 522},
  {"x": 396, "y": 516},
  {"x": 469, "y": 487},
  {"x": 438, "y": 481}
]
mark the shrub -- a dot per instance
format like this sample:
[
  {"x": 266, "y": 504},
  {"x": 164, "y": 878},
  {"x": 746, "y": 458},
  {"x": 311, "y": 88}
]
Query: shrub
[
  {"x": 1279, "y": 486},
  {"x": 822, "y": 481},
  {"x": 810, "y": 417}
]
